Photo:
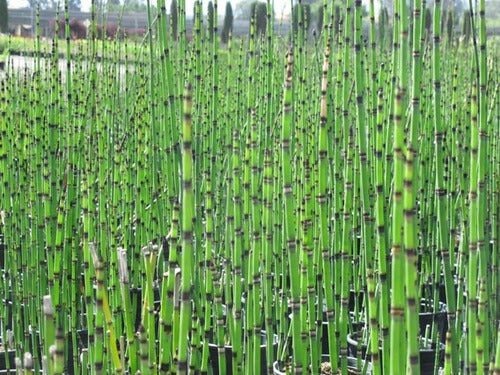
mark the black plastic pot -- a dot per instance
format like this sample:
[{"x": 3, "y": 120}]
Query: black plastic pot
[
  {"x": 213, "y": 356},
  {"x": 427, "y": 317},
  {"x": 428, "y": 359},
  {"x": 429, "y": 287},
  {"x": 427, "y": 356},
  {"x": 136, "y": 300},
  {"x": 11, "y": 354},
  {"x": 352, "y": 345},
  {"x": 354, "y": 297},
  {"x": 12, "y": 365},
  {"x": 82, "y": 340},
  {"x": 428, "y": 290},
  {"x": 352, "y": 364},
  {"x": 356, "y": 326}
]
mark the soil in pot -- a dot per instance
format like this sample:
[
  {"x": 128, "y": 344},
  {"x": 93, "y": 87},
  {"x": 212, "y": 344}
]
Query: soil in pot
[{"x": 326, "y": 369}]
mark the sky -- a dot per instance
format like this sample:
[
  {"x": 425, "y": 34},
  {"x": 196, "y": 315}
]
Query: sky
[{"x": 280, "y": 6}]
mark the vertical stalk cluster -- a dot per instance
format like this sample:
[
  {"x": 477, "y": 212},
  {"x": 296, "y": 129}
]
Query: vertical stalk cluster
[{"x": 174, "y": 205}]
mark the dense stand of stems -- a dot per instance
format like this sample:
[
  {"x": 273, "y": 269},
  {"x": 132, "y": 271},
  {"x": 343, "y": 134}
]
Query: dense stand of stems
[{"x": 173, "y": 198}]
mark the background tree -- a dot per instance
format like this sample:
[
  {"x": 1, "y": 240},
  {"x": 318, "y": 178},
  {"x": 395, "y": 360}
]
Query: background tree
[
  {"x": 4, "y": 17},
  {"x": 75, "y": 5},
  {"x": 253, "y": 7},
  {"x": 319, "y": 20},
  {"x": 450, "y": 24},
  {"x": 113, "y": 4},
  {"x": 210, "y": 19},
  {"x": 135, "y": 6},
  {"x": 127, "y": 6},
  {"x": 466, "y": 29},
  {"x": 306, "y": 17},
  {"x": 242, "y": 10},
  {"x": 52, "y": 4},
  {"x": 260, "y": 17},
  {"x": 173, "y": 18},
  {"x": 43, "y": 4},
  {"x": 228, "y": 23}
]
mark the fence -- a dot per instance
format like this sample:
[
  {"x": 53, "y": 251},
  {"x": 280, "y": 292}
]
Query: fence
[{"x": 27, "y": 17}]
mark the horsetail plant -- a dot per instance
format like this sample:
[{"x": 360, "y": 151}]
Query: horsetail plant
[
  {"x": 170, "y": 224},
  {"x": 289, "y": 219}
]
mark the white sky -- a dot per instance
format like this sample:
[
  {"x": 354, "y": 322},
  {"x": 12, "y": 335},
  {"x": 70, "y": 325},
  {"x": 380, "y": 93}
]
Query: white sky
[{"x": 280, "y": 6}]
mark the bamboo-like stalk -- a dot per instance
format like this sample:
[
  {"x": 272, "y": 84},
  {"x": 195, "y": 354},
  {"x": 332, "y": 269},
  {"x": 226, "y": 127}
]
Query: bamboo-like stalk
[
  {"x": 48, "y": 312},
  {"x": 90, "y": 161},
  {"x": 237, "y": 251},
  {"x": 28, "y": 364},
  {"x": 187, "y": 207},
  {"x": 495, "y": 367},
  {"x": 103, "y": 318},
  {"x": 473, "y": 238},
  {"x": 439, "y": 131},
  {"x": 410, "y": 240},
  {"x": 483, "y": 248},
  {"x": 348, "y": 148},
  {"x": 147, "y": 319},
  {"x": 299, "y": 359},
  {"x": 128, "y": 321},
  {"x": 255, "y": 255},
  {"x": 381, "y": 237},
  {"x": 167, "y": 333},
  {"x": 397, "y": 272},
  {"x": 58, "y": 354},
  {"x": 267, "y": 198},
  {"x": 482, "y": 365},
  {"x": 323, "y": 224},
  {"x": 338, "y": 170}
]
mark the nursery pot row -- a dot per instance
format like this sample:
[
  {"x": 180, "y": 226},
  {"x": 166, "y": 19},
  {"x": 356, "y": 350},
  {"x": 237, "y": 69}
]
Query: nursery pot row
[{"x": 352, "y": 366}]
